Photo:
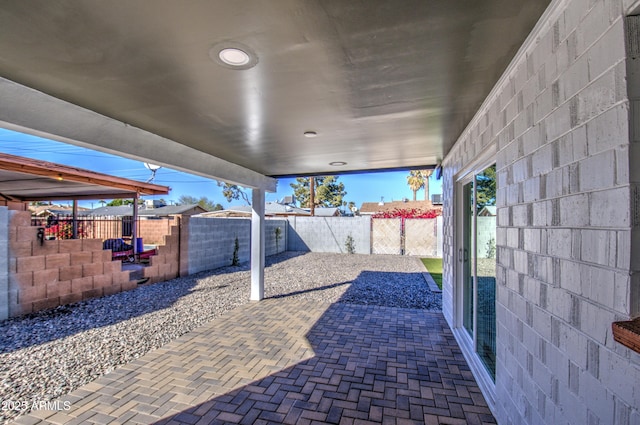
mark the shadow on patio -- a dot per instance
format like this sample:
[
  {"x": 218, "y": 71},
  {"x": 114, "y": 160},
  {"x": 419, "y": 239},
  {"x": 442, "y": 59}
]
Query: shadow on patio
[{"x": 377, "y": 365}]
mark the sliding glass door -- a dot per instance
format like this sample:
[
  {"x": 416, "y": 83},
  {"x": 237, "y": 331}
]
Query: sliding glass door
[
  {"x": 477, "y": 263},
  {"x": 468, "y": 269}
]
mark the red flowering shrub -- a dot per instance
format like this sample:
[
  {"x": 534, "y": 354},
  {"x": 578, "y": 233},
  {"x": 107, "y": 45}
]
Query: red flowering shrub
[
  {"x": 408, "y": 213},
  {"x": 63, "y": 230}
]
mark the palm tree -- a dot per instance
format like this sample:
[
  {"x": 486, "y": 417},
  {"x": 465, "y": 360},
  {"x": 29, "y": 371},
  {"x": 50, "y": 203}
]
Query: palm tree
[
  {"x": 415, "y": 181},
  {"x": 425, "y": 175}
]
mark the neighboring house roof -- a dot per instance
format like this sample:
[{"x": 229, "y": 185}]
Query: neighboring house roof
[
  {"x": 117, "y": 211},
  {"x": 127, "y": 210},
  {"x": 370, "y": 208},
  {"x": 326, "y": 212},
  {"x": 173, "y": 210},
  {"x": 59, "y": 210},
  {"x": 224, "y": 214},
  {"x": 270, "y": 209},
  {"x": 488, "y": 211}
]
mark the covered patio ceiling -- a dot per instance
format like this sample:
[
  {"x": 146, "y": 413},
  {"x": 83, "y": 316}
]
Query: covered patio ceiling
[
  {"x": 26, "y": 179},
  {"x": 380, "y": 84}
]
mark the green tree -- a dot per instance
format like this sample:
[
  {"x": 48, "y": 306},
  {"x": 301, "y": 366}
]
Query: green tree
[
  {"x": 203, "y": 201},
  {"x": 486, "y": 187},
  {"x": 233, "y": 191},
  {"x": 119, "y": 202},
  {"x": 328, "y": 191}
]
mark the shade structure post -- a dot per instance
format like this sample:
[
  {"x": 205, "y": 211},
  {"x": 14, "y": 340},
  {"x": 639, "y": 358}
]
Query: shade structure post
[{"x": 257, "y": 244}]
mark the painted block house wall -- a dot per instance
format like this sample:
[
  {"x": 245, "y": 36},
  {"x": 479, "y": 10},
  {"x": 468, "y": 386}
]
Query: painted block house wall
[{"x": 558, "y": 127}]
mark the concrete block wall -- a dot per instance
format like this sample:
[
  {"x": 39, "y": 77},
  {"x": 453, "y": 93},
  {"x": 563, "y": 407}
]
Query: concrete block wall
[
  {"x": 165, "y": 265},
  {"x": 153, "y": 231},
  {"x": 34, "y": 277},
  {"x": 56, "y": 272},
  {"x": 13, "y": 205},
  {"x": 557, "y": 126},
  {"x": 275, "y": 240},
  {"x": 329, "y": 234},
  {"x": 211, "y": 241}
]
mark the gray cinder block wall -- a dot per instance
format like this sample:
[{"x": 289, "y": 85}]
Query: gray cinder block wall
[
  {"x": 275, "y": 240},
  {"x": 329, "y": 234},
  {"x": 557, "y": 126},
  {"x": 212, "y": 241}
]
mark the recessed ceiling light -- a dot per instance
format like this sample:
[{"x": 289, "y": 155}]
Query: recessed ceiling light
[
  {"x": 310, "y": 134},
  {"x": 234, "y": 57},
  {"x": 338, "y": 163}
]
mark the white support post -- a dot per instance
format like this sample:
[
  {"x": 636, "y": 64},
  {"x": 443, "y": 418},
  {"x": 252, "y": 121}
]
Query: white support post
[{"x": 257, "y": 245}]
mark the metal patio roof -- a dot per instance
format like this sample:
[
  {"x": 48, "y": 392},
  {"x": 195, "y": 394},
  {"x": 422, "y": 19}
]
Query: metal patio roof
[{"x": 25, "y": 179}]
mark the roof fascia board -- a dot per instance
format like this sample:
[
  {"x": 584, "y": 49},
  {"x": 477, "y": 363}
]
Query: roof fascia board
[
  {"x": 30, "y": 111},
  {"x": 70, "y": 197},
  {"x": 77, "y": 175}
]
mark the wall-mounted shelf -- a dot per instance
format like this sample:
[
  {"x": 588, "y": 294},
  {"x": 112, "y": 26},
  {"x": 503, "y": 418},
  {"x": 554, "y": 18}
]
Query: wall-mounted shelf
[{"x": 627, "y": 333}]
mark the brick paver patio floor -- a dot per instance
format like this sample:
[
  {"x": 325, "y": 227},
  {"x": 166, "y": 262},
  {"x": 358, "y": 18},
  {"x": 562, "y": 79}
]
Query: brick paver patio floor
[{"x": 286, "y": 361}]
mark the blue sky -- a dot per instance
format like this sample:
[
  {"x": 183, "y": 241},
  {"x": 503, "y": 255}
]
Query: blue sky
[{"x": 369, "y": 187}]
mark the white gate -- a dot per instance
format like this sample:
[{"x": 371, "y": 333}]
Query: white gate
[
  {"x": 420, "y": 237},
  {"x": 386, "y": 236}
]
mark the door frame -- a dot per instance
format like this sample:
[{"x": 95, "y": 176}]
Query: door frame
[
  {"x": 461, "y": 237},
  {"x": 467, "y": 342}
]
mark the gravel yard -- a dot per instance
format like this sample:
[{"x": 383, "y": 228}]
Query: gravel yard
[{"x": 47, "y": 355}]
